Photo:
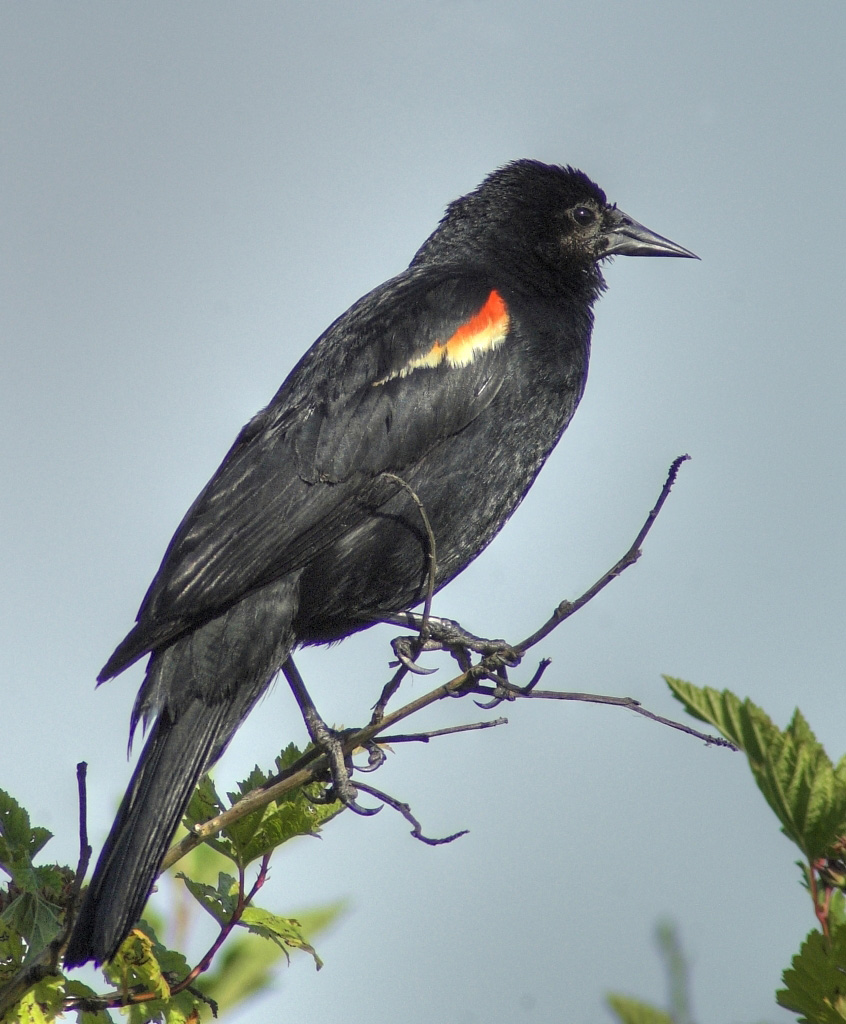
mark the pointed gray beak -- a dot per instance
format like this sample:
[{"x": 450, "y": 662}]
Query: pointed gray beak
[{"x": 625, "y": 237}]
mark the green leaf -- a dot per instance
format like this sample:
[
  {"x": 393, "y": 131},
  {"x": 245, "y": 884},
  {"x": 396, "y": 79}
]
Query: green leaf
[
  {"x": 816, "y": 981},
  {"x": 261, "y": 831},
  {"x": 286, "y": 932},
  {"x": 135, "y": 964},
  {"x": 632, "y": 1011},
  {"x": 12, "y": 952},
  {"x": 34, "y": 919},
  {"x": 144, "y": 964},
  {"x": 746, "y": 725},
  {"x": 246, "y": 962},
  {"x": 220, "y": 902},
  {"x": 19, "y": 842},
  {"x": 205, "y": 804},
  {"x": 171, "y": 962},
  {"x": 790, "y": 766}
]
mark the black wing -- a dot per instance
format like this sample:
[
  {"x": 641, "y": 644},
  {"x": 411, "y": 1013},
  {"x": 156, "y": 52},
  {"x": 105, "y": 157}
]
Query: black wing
[{"x": 410, "y": 364}]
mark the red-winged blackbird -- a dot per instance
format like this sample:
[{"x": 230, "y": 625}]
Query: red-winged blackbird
[{"x": 453, "y": 380}]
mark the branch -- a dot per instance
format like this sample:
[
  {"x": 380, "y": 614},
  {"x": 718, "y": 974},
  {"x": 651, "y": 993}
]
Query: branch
[
  {"x": 568, "y": 608},
  {"x": 488, "y": 677},
  {"x": 313, "y": 765},
  {"x": 424, "y": 737}
]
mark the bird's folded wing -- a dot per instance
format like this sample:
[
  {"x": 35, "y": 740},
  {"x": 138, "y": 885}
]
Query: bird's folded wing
[{"x": 412, "y": 363}]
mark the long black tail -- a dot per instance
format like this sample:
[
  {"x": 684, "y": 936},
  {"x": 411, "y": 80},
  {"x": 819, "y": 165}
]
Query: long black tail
[
  {"x": 200, "y": 688},
  {"x": 174, "y": 758}
]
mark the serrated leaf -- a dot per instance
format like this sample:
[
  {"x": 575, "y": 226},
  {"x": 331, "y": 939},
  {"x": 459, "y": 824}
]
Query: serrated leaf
[
  {"x": 255, "y": 780},
  {"x": 12, "y": 951},
  {"x": 245, "y": 963},
  {"x": 816, "y": 981},
  {"x": 135, "y": 963},
  {"x": 287, "y": 757},
  {"x": 171, "y": 962},
  {"x": 632, "y": 1011},
  {"x": 205, "y": 804},
  {"x": 286, "y": 932},
  {"x": 261, "y": 831},
  {"x": 35, "y": 920},
  {"x": 18, "y": 838},
  {"x": 741, "y": 722},
  {"x": 221, "y": 901},
  {"x": 19, "y": 842},
  {"x": 143, "y": 962},
  {"x": 790, "y": 767},
  {"x": 292, "y": 814}
]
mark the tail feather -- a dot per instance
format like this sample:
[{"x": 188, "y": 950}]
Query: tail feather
[
  {"x": 198, "y": 690},
  {"x": 174, "y": 758}
]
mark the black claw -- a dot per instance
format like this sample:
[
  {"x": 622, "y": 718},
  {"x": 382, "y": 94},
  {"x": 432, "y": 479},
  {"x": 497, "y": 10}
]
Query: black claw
[
  {"x": 403, "y": 647},
  {"x": 376, "y": 757},
  {"x": 351, "y": 803},
  {"x": 488, "y": 705},
  {"x": 418, "y": 670}
]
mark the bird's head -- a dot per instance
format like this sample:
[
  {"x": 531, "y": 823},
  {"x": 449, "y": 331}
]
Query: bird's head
[{"x": 544, "y": 224}]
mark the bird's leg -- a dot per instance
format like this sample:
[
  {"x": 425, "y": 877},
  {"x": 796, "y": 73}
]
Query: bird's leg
[{"x": 325, "y": 739}]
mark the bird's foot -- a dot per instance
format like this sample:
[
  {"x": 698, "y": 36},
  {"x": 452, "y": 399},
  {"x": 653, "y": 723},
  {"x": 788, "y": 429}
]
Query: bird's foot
[
  {"x": 439, "y": 634},
  {"x": 329, "y": 742}
]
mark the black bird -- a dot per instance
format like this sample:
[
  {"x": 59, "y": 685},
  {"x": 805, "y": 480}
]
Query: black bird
[{"x": 454, "y": 380}]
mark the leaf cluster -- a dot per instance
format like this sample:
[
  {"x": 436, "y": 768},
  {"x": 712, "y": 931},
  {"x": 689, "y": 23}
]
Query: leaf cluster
[
  {"x": 807, "y": 793},
  {"x": 151, "y": 982}
]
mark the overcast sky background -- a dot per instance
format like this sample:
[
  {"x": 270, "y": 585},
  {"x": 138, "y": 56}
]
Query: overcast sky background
[{"x": 189, "y": 194}]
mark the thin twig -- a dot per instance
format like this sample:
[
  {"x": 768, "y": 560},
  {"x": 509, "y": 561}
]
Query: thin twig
[
  {"x": 632, "y": 705},
  {"x": 84, "y": 858},
  {"x": 568, "y": 608},
  {"x": 424, "y": 737},
  {"x": 405, "y": 811}
]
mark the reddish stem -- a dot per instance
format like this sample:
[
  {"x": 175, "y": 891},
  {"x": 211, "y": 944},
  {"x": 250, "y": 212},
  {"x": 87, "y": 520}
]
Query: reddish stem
[
  {"x": 226, "y": 929},
  {"x": 820, "y": 908}
]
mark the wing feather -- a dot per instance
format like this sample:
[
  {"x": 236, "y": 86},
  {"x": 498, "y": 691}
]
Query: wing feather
[{"x": 367, "y": 398}]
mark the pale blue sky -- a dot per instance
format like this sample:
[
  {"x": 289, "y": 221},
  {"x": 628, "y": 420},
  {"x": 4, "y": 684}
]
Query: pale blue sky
[{"x": 189, "y": 194}]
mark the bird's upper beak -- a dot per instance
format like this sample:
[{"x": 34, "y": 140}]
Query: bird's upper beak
[{"x": 625, "y": 237}]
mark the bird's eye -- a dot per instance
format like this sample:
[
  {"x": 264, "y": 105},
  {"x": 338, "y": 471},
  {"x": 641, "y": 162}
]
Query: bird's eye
[{"x": 584, "y": 215}]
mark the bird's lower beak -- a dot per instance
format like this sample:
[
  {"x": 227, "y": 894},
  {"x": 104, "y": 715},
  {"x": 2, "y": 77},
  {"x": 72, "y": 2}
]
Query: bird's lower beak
[{"x": 625, "y": 237}]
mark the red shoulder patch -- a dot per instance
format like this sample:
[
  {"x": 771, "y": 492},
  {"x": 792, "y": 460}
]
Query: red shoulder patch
[{"x": 482, "y": 332}]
